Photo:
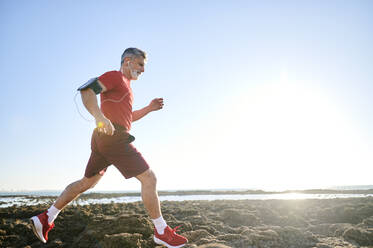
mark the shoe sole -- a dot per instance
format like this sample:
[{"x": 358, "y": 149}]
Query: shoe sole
[
  {"x": 37, "y": 228},
  {"x": 161, "y": 242}
]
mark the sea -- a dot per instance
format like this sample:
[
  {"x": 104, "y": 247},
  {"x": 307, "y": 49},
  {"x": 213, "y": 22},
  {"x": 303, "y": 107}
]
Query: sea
[{"x": 28, "y": 198}]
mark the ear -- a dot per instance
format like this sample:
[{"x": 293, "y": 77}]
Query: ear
[{"x": 126, "y": 60}]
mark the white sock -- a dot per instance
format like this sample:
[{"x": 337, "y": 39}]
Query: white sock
[
  {"x": 160, "y": 224},
  {"x": 52, "y": 213}
]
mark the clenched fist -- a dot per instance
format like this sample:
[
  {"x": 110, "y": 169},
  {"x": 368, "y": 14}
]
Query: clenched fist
[
  {"x": 104, "y": 125},
  {"x": 156, "y": 104}
]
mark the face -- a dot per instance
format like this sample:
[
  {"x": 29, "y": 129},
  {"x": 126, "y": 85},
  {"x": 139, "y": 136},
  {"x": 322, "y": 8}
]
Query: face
[{"x": 134, "y": 67}]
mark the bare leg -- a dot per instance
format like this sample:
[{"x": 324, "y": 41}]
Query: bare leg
[
  {"x": 149, "y": 193},
  {"x": 73, "y": 190}
]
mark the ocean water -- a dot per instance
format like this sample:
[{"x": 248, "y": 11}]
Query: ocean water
[
  {"x": 58, "y": 192},
  {"x": 8, "y": 200},
  {"x": 290, "y": 196}
]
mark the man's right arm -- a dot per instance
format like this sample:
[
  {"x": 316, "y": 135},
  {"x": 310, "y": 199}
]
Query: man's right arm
[{"x": 90, "y": 102}]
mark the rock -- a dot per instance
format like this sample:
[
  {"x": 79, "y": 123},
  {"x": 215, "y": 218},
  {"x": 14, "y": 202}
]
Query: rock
[
  {"x": 210, "y": 229},
  {"x": 197, "y": 219},
  {"x": 56, "y": 242},
  {"x": 368, "y": 222},
  {"x": 294, "y": 220},
  {"x": 322, "y": 245},
  {"x": 334, "y": 242},
  {"x": 198, "y": 234},
  {"x": 225, "y": 223},
  {"x": 331, "y": 230},
  {"x": 215, "y": 245},
  {"x": 123, "y": 240},
  {"x": 123, "y": 224},
  {"x": 236, "y": 218},
  {"x": 230, "y": 237},
  {"x": 359, "y": 235},
  {"x": 294, "y": 238}
]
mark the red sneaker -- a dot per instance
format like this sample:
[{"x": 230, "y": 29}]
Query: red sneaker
[
  {"x": 41, "y": 227},
  {"x": 169, "y": 238}
]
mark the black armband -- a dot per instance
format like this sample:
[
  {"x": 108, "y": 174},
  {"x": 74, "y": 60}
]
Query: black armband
[{"x": 92, "y": 84}]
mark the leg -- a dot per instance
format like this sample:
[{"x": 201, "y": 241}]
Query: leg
[
  {"x": 149, "y": 193},
  {"x": 43, "y": 223},
  {"x": 73, "y": 190},
  {"x": 163, "y": 234}
]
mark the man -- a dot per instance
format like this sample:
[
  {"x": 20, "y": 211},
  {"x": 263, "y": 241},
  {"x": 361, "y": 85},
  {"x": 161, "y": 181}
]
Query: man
[{"x": 111, "y": 144}]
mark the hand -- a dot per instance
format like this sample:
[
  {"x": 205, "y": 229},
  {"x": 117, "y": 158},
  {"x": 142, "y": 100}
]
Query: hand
[
  {"x": 156, "y": 104},
  {"x": 104, "y": 125}
]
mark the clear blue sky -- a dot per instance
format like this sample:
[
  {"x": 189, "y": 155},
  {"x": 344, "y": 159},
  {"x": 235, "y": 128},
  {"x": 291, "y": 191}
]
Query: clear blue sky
[{"x": 258, "y": 94}]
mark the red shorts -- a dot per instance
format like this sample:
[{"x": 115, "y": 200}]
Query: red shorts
[{"x": 116, "y": 150}]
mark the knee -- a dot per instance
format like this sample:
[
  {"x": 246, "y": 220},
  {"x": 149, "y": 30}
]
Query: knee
[{"x": 150, "y": 179}]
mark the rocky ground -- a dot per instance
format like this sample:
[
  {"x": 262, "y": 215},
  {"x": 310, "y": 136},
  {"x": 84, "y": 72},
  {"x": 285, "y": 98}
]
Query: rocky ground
[{"x": 251, "y": 224}]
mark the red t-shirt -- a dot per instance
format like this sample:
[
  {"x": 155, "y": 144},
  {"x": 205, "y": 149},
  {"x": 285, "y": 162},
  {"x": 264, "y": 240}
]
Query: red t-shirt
[{"x": 116, "y": 101}]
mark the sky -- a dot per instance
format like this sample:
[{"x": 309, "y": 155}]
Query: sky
[{"x": 258, "y": 94}]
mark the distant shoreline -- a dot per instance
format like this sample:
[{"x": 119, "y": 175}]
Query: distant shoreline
[
  {"x": 30, "y": 198},
  {"x": 98, "y": 195},
  {"x": 212, "y": 192}
]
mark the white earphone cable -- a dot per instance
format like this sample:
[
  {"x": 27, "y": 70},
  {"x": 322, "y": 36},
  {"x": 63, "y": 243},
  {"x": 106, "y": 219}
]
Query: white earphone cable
[{"x": 106, "y": 100}]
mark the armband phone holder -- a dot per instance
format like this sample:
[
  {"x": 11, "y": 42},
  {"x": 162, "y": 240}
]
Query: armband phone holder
[{"x": 92, "y": 84}]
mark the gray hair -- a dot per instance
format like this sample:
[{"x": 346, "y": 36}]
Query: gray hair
[{"x": 132, "y": 52}]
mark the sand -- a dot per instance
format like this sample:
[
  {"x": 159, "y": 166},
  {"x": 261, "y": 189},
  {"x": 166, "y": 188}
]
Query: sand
[{"x": 328, "y": 223}]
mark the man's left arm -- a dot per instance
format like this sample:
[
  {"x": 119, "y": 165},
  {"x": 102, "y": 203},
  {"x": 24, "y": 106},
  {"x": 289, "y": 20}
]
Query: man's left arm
[{"x": 154, "y": 105}]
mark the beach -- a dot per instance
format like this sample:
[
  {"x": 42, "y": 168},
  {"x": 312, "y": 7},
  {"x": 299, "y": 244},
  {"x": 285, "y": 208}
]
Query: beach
[{"x": 321, "y": 223}]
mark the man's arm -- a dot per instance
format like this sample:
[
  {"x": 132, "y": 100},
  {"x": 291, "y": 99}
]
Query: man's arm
[
  {"x": 90, "y": 102},
  {"x": 155, "y": 104}
]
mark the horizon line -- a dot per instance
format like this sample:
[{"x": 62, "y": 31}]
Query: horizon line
[{"x": 265, "y": 189}]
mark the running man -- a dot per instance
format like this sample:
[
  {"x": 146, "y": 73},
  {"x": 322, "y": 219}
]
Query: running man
[{"x": 111, "y": 144}]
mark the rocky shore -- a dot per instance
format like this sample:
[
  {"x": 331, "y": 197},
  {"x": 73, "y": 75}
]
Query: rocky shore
[{"x": 327, "y": 223}]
